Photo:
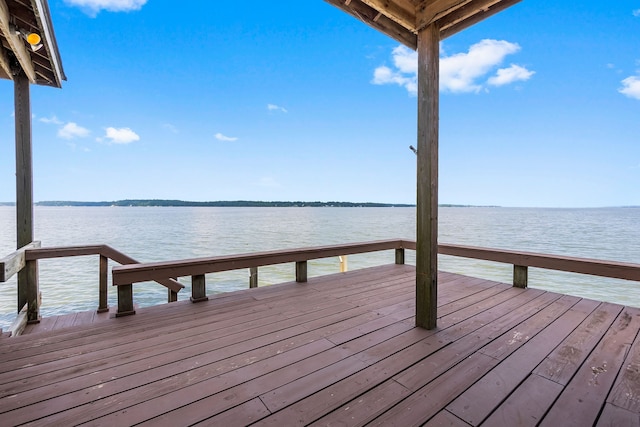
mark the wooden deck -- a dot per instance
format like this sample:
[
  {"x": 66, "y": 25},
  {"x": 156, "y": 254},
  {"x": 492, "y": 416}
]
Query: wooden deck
[{"x": 338, "y": 350}]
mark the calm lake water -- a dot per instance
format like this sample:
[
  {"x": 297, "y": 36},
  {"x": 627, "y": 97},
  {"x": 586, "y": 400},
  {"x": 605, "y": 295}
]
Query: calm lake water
[{"x": 157, "y": 234}]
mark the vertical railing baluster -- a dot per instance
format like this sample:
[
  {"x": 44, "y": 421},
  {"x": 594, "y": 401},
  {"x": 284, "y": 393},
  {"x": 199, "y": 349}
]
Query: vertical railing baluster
[
  {"x": 198, "y": 288},
  {"x": 172, "y": 296},
  {"x": 33, "y": 291},
  {"x": 520, "y": 276},
  {"x": 253, "y": 277},
  {"x": 103, "y": 305},
  {"x": 125, "y": 300},
  {"x": 301, "y": 271}
]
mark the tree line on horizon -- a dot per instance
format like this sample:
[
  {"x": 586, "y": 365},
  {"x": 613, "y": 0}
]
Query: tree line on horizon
[{"x": 222, "y": 203}]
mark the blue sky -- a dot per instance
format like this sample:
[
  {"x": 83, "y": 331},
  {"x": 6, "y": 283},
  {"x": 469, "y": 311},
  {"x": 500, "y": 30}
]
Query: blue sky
[{"x": 540, "y": 106}]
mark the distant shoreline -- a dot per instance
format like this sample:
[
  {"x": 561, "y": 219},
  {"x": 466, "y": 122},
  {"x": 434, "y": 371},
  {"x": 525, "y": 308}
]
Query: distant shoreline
[
  {"x": 221, "y": 203},
  {"x": 261, "y": 204}
]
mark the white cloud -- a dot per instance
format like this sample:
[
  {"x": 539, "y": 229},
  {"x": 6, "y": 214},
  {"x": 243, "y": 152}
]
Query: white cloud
[
  {"x": 631, "y": 87},
  {"x": 171, "y": 128},
  {"x": 71, "y": 130},
  {"x": 636, "y": 13},
  {"x": 406, "y": 63},
  {"x": 221, "y": 137},
  {"x": 274, "y": 107},
  {"x": 461, "y": 72},
  {"x": 514, "y": 73},
  {"x": 53, "y": 120},
  {"x": 120, "y": 136},
  {"x": 93, "y": 7}
]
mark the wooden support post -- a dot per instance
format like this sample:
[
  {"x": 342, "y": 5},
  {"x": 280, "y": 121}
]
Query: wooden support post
[
  {"x": 253, "y": 277},
  {"x": 103, "y": 304},
  {"x": 125, "y": 300},
  {"x": 427, "y": 185},
  {"x": 520, "y": 276},
  {"x": 28, "y": 277},
  {"x": 198, "y": 288},
  {"x": 33, "y": 292},
  {"x": 400, "y": 256},
  {"x": 301, "y": 271}
]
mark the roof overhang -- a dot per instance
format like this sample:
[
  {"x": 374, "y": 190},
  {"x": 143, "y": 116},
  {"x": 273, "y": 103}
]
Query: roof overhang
[
  {"x": 42, "y": 66},
  {"x": 402, "y": 19}
]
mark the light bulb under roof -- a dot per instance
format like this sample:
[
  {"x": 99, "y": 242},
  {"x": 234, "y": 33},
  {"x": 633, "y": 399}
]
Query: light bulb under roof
[{"x": 33, "y": 39}]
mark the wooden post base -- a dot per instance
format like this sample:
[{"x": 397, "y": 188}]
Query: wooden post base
[{"x": 125, "y": 301}]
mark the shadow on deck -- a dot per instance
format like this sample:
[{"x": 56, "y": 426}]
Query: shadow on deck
[{"x": 338, "y": 350}]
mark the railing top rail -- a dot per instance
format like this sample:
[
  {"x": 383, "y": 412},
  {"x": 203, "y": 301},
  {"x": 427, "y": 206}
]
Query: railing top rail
[
  {"x": 594, "y": 267},
  {"x": 63, "y": 251},
  {"x": 162, "y": 272},
  {"x": 15, "y": 261},
  {"x": 104, "y": 250},
  {"x": 190, "y": 267}
]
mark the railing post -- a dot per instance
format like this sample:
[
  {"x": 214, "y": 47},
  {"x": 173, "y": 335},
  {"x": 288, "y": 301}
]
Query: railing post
[
  {"x": 400, "y": 256},
  {"x": 102, "y": 292},
  {"x": 301, "y": 271},
  {"x": 172, "y": 296},
  {"x": 253, "y": 277},
  {"x": 520, "y": 276},
  {"x": 33, "y": 291},
  {"x": 198, "y": 288},
  {"x": 125, "y": 300}
]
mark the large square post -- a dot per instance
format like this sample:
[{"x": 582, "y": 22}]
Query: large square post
[
  {"x": 28, "y": 276},
  {"x": 427, "y": 180}
]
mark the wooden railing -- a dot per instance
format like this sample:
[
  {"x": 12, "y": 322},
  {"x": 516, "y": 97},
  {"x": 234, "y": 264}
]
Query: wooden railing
[
  {"x": 18, "y": 260},
  {"x": 165, "y": 273},
  {"x": 522, "y": 260},
  {"x": 13, "y": 263},
  {"x": 126, "y": 275},
  {"x": 28, "y": 296}
]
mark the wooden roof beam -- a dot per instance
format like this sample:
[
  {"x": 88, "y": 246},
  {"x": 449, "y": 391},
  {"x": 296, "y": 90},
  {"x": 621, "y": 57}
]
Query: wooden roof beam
[
  {"x": 16, "y": 43},
  {"x": 470, "y": 15},
  {"x": 4, "y": 62},
  {"x": 466, "y": 11},
  {"x": 394, "y": 12},
  {"x": 394, "y": 17},
  {"x": 430, "y": 11},
  {"x": 43, "y": 16},
  {"x": 384, "y": 24}
]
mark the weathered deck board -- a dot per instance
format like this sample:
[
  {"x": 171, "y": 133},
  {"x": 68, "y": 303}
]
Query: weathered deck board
[
  {"x": 580, "y": 402},
  {"x": 340, "y": 349}
]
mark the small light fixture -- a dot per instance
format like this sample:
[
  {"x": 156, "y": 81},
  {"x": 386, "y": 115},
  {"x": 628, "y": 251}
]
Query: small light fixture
[{"x": 34, "y": 39}]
